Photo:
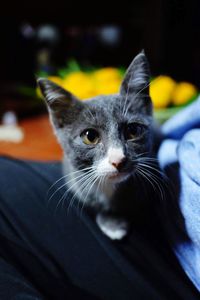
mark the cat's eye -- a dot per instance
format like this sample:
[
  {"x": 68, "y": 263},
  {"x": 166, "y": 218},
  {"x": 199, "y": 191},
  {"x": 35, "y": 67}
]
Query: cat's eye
[
  {"x": 134, "y": 130},
  {"x": 90, "y": 137}
]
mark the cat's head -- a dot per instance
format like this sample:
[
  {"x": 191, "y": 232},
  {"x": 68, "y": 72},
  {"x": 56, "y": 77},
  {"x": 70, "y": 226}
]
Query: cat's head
[{"x": 106, "y": 134}]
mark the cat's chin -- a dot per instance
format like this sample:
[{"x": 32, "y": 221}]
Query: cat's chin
[{"x": 118, "y": 177}]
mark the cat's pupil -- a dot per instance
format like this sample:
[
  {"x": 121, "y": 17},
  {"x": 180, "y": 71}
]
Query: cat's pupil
[{"x": 92, "y": 135}]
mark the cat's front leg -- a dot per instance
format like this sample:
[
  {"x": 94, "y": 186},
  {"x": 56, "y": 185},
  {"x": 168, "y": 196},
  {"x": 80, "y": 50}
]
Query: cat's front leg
[{"x": 115, "y": 228}]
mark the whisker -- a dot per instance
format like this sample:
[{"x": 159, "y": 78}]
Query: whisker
[
  {"x": 83, "y": 183},
  {"x": 67, "y": 175},
  {"x": 145, "y": 176},
  {"x": 80, "y": 178},
  {"x": 79, "y": 181},
  {"x": 85, "y": 199},
  {"x": 155, "y": 179},
  {"x": 149, "y": 158},
  {"x": 152, "y": 168},
  {"x": 140, "y": 180},
  {"x": 83, "y": 188},
  {"x": 66, "y": 183}
]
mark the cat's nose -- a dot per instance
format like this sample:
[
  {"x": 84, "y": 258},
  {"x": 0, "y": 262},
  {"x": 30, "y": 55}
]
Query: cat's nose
[
  {"x": 118, "y": 164},
  {"x": 116, "y": 157}
]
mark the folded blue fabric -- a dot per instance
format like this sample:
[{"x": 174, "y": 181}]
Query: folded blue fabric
[
  {"x": 185, "y": 150},
  {"x": 183, "y": 121}
]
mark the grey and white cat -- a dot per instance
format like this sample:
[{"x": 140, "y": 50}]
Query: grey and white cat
[{"x": 107, "y": 142}]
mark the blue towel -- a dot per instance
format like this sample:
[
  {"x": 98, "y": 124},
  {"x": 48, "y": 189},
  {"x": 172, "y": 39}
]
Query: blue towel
[
  {"x": 183, "y": 121},
  {"x": 182, "y": 145}
]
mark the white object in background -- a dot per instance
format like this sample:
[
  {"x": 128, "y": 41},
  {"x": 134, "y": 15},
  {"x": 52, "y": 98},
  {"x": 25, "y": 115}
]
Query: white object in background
[
  {"x": 9, "y": 118},
  {"x": 9, "y": 131}
]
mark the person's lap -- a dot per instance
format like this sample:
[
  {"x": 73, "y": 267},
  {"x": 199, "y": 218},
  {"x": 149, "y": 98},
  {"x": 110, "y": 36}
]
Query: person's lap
[
  {"x": 51, "y": 252},
  {"x": 30, "y": 235}
]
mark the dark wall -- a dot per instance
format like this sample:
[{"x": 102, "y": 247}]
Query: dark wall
[
  {"x": 181, "y": 35},
  {"x": 169, "y": 31}
]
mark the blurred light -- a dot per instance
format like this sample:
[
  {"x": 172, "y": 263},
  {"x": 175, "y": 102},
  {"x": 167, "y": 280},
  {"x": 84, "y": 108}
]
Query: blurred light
[
  {"x": 110, "y": 35},
  {"x": 27, "y": 31},
  {"x": 48, "y": 33}
]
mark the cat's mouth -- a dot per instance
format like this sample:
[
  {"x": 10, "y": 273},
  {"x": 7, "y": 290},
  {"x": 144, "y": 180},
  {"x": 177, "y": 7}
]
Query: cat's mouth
[{"x": 118, "y": 176}]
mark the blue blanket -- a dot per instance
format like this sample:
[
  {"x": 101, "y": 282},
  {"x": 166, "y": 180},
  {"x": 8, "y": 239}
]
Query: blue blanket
[{"x": 181, "y": 146}]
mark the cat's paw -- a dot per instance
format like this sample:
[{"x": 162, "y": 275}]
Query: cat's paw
[{"x": 114, "y": 228}]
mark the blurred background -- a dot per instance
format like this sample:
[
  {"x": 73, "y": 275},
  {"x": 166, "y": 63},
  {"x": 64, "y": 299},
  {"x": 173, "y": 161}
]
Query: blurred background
[{"x": 43, "y": 38}]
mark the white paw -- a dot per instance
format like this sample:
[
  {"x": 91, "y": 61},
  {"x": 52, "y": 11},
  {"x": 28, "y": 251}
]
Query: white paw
[
  {"x": 115, "y": 229},
  {"x": 116, "y": 234}
]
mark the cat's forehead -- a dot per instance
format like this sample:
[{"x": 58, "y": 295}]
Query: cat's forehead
[
  {"x": 104, "y": 102},
  {"x": 106, "y": 109},
  {"x": 102, "y": 109}
]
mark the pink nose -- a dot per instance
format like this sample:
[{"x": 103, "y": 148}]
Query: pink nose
[
  {"x": 118, "y": 163},
  {"x": 116, "y": 157}
]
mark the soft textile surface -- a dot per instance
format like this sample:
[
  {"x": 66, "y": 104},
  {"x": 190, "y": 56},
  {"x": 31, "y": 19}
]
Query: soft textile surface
[
  {"x": 182, "y": 145},
  {"x": 49, "y": 253}
]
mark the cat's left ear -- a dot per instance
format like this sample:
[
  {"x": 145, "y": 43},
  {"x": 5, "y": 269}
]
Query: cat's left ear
[{"x": 137, "y": 78}]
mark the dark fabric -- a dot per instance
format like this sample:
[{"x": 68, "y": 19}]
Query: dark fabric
[{"x": 48, "y": 251}]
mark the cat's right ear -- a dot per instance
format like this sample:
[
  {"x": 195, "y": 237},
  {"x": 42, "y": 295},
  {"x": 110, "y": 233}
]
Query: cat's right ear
[{"x": 62, "y": 105}]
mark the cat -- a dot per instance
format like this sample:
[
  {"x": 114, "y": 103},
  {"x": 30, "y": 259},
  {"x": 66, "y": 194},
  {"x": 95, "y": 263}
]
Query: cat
[{"x": 107, "y": 142}]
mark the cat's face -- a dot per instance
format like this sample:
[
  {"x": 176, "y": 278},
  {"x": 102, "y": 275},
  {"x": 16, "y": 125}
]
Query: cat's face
[{"x": 105, "y": 133}]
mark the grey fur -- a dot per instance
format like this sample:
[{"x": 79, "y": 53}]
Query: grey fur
[{"x": 109, "y": 115}]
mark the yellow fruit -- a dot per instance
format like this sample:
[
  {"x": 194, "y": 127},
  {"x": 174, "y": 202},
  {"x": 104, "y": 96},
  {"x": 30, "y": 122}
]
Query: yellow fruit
[
  {"x": 183, "y": 92},
  {"x": 107, "y": 88},
  {"x": 107, "y": 81},
  {"x": 161, "y": 89},
  {"x": 105, "y": 75},
  {"x": 80, "y": 84},
  {"x": 56, "y": 80},
  {"x": 38, "y": 92}
]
